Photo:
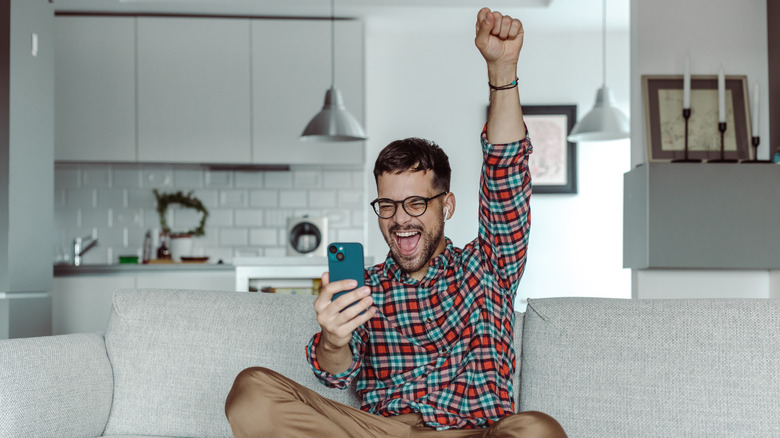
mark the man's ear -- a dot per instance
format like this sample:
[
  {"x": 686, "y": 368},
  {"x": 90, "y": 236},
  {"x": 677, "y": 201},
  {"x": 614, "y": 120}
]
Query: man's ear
[{"x": 449, "y": 206}]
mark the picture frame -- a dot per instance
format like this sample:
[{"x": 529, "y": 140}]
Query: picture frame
[
  {"x": 553, "y": 162},
  {"x": 665, "y": 125}
]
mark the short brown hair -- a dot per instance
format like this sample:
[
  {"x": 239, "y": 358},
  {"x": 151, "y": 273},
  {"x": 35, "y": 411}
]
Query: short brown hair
[{"x": 418, "y": 155}]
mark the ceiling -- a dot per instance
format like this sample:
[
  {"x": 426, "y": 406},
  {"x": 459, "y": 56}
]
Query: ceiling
[{"x": 541, "y": 15}]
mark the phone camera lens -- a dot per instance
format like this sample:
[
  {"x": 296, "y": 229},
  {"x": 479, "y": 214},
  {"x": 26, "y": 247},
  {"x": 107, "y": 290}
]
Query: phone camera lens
[
  {"x": 332, "y": 249},
  {"x": 340, "y": 256}
]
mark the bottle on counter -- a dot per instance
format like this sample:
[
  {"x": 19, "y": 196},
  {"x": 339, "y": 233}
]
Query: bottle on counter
[
  {"x": 148, "y": 251},
  {"x": 163, "y": 253}
]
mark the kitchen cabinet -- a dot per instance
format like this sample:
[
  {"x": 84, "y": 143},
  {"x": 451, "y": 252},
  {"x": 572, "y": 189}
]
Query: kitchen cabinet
[
  {"x": 82, "y": 303},
  {"x": 201, "y": 89},
  {"x": 193, "y": 90},
  {"x": 291, "y": 70},
  {"x": 94, "y": 75}
]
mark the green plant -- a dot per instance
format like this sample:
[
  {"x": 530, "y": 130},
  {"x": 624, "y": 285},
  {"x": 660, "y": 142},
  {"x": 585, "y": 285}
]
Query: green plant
[{"x": 186, "y": 201}]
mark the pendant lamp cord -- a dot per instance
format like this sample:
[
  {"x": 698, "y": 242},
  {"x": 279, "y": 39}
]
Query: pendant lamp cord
[
  {"x": 332, "y": 43},
  {"x": 604, "y": 44}
]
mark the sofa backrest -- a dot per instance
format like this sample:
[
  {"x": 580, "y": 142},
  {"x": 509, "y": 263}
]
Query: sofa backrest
[
  {"x": 54, "y": 386},
  {"x": 175, "y": 354},
  {"x": 652, "y": 368}
]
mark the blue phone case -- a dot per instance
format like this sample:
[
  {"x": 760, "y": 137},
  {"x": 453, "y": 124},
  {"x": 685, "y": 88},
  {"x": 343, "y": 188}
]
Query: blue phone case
[{"x": 345, "y": 260}]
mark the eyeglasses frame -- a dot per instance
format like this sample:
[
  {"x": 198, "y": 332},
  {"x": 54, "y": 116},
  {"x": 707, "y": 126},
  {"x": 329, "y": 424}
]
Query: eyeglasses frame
[{"x": 403, "y": 204}]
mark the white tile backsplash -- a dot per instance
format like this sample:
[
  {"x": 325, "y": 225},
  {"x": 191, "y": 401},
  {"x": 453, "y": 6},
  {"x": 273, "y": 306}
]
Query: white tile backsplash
[
  {"x": 220, "y": 218},
  {"x": 322, "y": 198},
  {"x": 294, "y": 198},
  {"x": 249, "y": 218},
  {"x": 184, "y": 178},
  {"x": 219, "y": 178},
  {"x": 114, "y": 198},
  {"x": 157, "y": 177},
  {"x": 252, "y": 180},
  {"x": 307, "y": 179},
  {"x": 278, "y": 180},
  {"x": 234, "y": 237},
  {"x": 263, "y": 237},
  {"x": 95, "y": 175},
  {"x": 248, "y": 211},
  {"x": 80, "y": 198},
  {"x": 264, "y": 198},
  {"x": 128, "y": 175},
  {"x": 233, "y": 199},
  {"x": 68, "y": 176},
  {"x": 337, "y": 179}
]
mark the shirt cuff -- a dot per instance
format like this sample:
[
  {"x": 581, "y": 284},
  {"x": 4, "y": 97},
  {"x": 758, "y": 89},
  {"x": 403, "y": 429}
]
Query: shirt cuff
[
  {"x": 505, "y": 155},
  {"x": 341, "y": 380}
]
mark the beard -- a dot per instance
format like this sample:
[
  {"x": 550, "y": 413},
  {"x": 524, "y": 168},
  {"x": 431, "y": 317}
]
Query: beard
[{"x": 426, "y": 247}]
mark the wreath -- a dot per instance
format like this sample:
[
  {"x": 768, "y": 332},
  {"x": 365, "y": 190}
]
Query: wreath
[{"x": 186, "y": 201}]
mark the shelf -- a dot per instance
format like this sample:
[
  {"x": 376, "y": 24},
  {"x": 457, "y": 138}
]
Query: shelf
[{"x": 702, "y": 216}]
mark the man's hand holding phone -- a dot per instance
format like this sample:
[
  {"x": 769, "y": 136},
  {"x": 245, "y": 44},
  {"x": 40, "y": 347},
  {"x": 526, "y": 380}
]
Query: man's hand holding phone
[{"x": 338, "y": 318}]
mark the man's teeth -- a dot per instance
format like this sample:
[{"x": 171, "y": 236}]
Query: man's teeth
[{"x": 406, "y": 233}]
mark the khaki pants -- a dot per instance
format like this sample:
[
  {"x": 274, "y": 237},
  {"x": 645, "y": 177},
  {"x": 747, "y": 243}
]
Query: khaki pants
[{"x": 263, "y": 403}]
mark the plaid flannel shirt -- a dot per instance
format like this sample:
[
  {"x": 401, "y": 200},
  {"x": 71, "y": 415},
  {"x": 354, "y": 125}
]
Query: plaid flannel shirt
[{"x": 442, "y": 347}]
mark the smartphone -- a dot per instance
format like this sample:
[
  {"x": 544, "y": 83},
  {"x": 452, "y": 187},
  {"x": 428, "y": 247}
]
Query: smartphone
[{"x": 345, "y": 261}]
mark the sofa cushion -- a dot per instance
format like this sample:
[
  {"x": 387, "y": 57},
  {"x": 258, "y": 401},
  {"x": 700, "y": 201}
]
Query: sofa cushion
[
  {"x": 54, "y": 386},
  {"x": 175, "y": 354},
  {"x": 650, "y": 368}
]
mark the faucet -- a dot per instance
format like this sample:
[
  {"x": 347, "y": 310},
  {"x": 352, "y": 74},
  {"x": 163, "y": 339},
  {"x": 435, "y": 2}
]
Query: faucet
[{"x": 79, "y": 247}]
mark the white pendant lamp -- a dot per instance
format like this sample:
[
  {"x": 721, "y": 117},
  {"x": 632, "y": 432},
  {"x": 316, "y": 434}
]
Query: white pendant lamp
[
  {"x": 334, "y": 122},
  {"x": 605, "y": 121}
]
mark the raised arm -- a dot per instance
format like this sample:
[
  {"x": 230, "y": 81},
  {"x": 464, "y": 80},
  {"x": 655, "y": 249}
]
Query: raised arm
[
  {"x": 500, "y": 39},
  {"x": 505, "y": 186}
]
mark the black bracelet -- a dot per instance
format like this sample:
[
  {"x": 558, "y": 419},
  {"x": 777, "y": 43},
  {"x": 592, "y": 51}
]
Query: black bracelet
[{"x": 508, "y": 86}]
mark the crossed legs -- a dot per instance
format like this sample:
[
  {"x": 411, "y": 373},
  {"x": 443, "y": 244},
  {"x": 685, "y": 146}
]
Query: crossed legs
[{"x": 263, "y": 403}]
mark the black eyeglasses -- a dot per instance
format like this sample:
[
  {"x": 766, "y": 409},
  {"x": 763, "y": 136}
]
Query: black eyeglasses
[{"x": 413, "y": 206}]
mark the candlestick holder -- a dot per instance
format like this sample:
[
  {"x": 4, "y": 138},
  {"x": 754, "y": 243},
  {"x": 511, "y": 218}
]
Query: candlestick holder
[
  {"x": 755, "y": 141},
  {"x": 722, "y": 159},
  {"x": 686, "y": 115}
]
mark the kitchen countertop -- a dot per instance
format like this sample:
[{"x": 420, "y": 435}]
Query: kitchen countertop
[
  {"x": 288, "y": 261},
  {"x": 126, "y": 268}
]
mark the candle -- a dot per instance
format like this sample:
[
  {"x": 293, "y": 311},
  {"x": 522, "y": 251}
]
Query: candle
[
  {"x": 721, "y": 96},
  {"x": 755, "y": 114},
  {"x": 687, "y": 83}
]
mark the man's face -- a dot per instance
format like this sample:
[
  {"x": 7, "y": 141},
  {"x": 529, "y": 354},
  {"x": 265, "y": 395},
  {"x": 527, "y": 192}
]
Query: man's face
[{"x": 413, "y": 241}]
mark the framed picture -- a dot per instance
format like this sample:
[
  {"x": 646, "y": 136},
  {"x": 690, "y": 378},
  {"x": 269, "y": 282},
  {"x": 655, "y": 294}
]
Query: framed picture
[
  {"x": 554, "y": 159},
  {"x": 665, "y": 125}
]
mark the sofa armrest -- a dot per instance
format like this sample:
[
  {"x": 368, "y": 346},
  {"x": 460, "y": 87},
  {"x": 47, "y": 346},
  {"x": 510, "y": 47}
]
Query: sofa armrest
[{"x": 55, "y": 386}]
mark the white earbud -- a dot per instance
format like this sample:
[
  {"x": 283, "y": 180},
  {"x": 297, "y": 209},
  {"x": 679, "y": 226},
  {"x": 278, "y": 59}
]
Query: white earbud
[{"x": 446, "y": 213}]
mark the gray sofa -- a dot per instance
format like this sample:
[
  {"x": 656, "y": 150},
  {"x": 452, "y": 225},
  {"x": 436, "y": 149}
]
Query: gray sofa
[{"x": 602, "y": 367}]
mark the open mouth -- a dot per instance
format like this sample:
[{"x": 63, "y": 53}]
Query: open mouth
[{"x": 407, "y": 241}]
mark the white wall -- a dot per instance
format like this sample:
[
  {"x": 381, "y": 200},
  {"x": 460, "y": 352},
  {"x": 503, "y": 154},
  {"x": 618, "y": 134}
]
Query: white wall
[
  {"x": 715, "y": 32},
  {"x": 432, "y": 84}
]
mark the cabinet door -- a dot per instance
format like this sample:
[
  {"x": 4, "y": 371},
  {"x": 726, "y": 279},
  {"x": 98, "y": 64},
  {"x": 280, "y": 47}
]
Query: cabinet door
[
  {"x": 82, "y": 303},
  {"x": 291, "y": 71},
  {"x": 207, "y": 280},
  {"x": 94, "y": 80},
  {"x": 193, "y": 82}
]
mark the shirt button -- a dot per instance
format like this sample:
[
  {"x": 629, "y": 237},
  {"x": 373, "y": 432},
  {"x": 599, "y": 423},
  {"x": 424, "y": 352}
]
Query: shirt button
[{"x": 428, "y": 320}]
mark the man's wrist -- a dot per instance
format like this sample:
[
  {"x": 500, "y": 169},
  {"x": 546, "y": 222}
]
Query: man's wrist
[{"x": 501, "y": 74}]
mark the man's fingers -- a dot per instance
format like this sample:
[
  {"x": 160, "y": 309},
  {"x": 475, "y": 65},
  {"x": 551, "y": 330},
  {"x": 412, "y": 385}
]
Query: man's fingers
[
  {"x": 484, "y": 26},
  {"x": 516, "y": 29},
  {"x": 360, "y": 319},
  {"x": 506, "y": 27}
]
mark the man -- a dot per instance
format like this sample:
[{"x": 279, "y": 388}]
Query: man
[{"x": 429, "y": 339}]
